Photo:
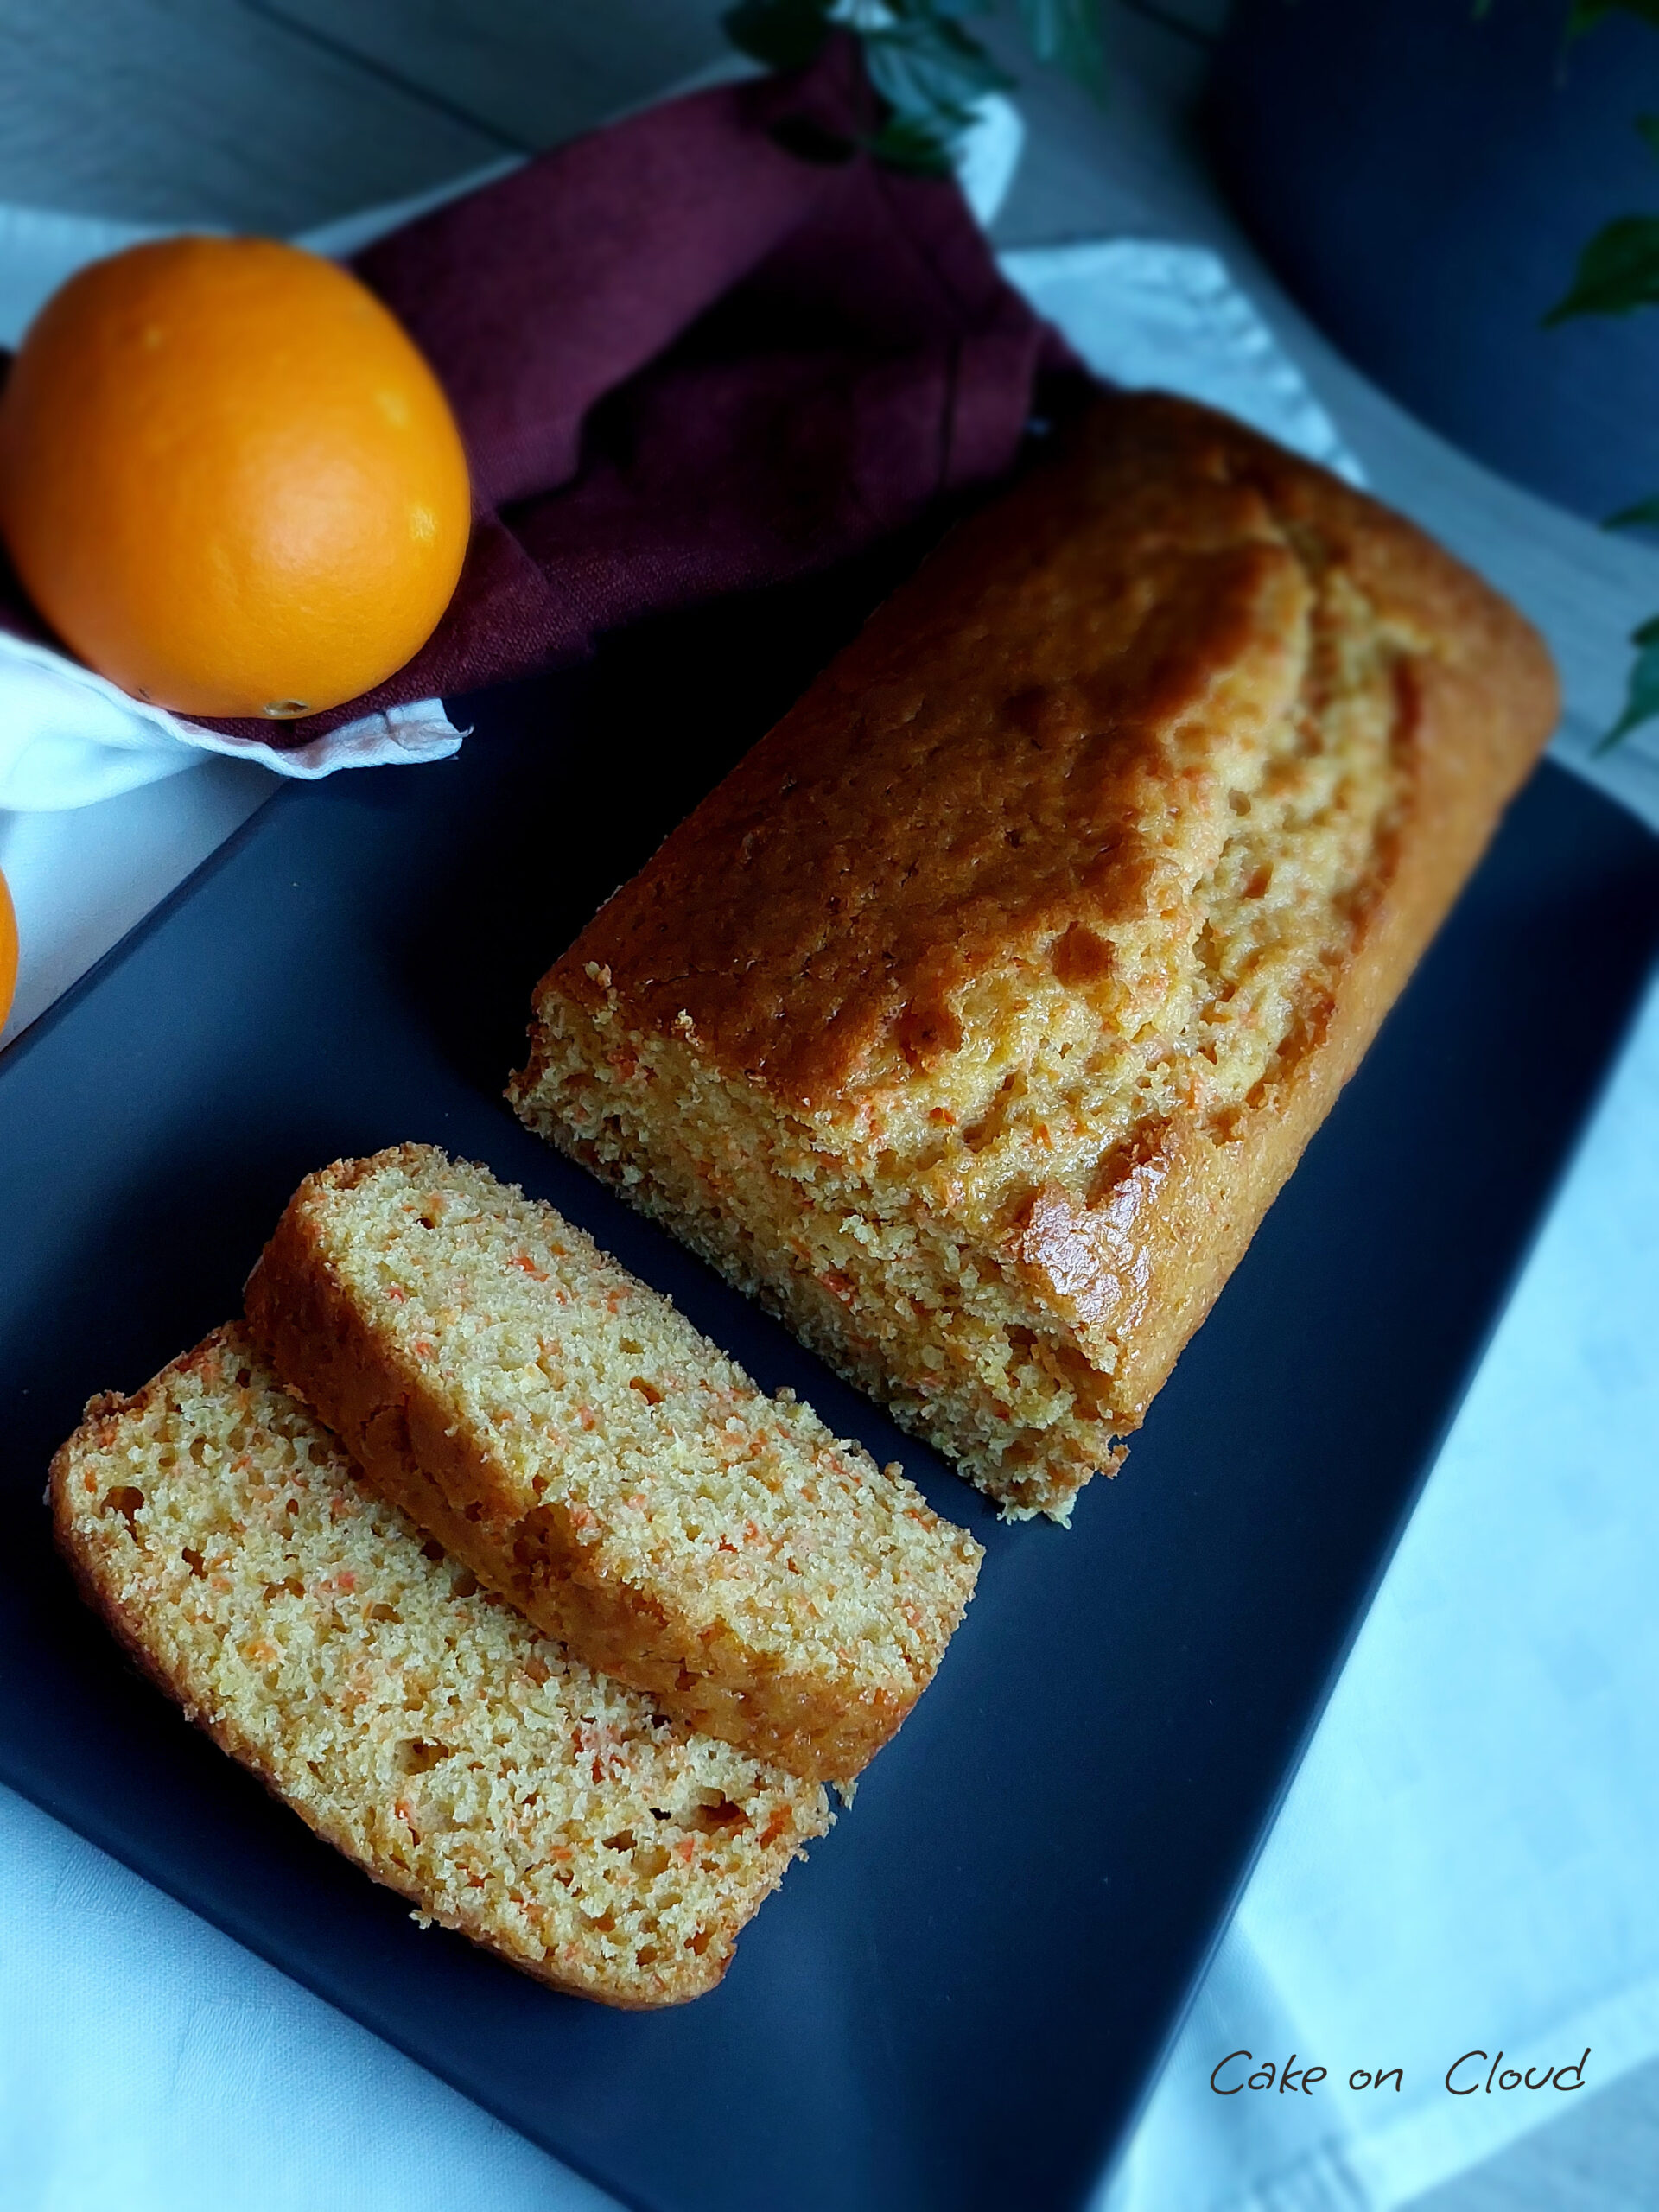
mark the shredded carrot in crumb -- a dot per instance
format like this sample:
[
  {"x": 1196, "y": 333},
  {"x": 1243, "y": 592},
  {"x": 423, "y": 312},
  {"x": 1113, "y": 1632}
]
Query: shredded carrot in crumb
[
  {"x": 779, "y": 1825},
  {"x": 686, "y": 1848},
  {"x": 525, "y": 1265}
]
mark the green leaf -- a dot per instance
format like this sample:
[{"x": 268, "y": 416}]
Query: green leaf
[
  {"x": 783, "y": 33},
  {"x": 1644, "y": 515},
  {"x": 1641, "y": 694},
  {"x": 1618, "y": 270},
  {"x": 1068, "y": 34},
  {"x": 1585, "y": 15},
  {"x": 928, "y": 66},
  {"x": 917, "y": 143},
  {"x": 934, "y": 11},
  {"x": 928, "y": 72}
]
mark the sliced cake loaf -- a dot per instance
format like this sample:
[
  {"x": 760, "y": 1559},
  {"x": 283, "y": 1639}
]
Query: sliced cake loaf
[
  {"x": 974, "y": 1021},
  {"x": 419, "y": 1724},
  {"x": 563, "y": 1430}
]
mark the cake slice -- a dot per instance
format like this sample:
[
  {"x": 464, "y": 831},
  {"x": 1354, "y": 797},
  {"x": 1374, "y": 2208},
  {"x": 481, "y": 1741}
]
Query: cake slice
[
  {"x": 975, "y": 1021},
  {"x": 565, "y": 1431},
  {"x": 422, "y": 1727}
]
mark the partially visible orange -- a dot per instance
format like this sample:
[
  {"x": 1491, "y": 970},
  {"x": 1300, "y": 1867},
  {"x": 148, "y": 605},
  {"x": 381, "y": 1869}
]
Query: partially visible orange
[
  {"x": 228, "y": 479},
  {"x": 8, "y": 951}
]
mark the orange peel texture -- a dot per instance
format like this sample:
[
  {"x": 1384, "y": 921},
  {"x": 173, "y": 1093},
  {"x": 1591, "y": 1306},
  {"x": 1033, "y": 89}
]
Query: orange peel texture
[
  {"x": 229, "y": 480},
  {"x": 8, "y": 951}
]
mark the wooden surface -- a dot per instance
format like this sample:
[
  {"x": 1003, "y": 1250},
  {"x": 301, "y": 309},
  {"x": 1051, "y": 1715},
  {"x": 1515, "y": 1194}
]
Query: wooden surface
[
  {"x": 281, "y": 114},
  {"x": 278, "y": 114}
]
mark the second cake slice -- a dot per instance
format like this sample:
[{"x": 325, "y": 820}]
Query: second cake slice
[{"x": 567, "y": 1433}]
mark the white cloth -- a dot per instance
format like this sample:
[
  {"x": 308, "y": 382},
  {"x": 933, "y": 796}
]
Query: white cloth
[
  {"x": 80, "y": 879},
  {"x": 1465, "y": 1860},
  {"x": 153, "y": 2065},
  {"x": 1144, "y": 312},
  {"x": 68, "y": 738}
]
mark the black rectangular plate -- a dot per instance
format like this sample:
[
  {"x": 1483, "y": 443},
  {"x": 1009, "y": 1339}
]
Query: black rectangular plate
[{"x": 959, "y": 2002}]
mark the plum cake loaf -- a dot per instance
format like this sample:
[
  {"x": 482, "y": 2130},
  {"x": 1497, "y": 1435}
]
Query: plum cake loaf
[
  {"x": 975, "y": 1021},
  {"x": 566, "y": 1432},
  {"x": 422, "y": 1726}
]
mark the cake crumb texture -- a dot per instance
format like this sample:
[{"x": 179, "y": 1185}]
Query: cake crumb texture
[
  {"x": 975, "y": 1021},
  {"x": 413, "y": 1720},
  {"x": 564, "y": 1429}
]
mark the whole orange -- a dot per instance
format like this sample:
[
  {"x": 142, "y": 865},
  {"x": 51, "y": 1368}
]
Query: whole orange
[
  {"x": 228, "y": 479},
  {"x": 8, "y": 950}
]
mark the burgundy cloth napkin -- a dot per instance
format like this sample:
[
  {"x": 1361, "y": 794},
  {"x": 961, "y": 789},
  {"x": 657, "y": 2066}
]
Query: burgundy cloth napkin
[{"x": 687, "y": 360}]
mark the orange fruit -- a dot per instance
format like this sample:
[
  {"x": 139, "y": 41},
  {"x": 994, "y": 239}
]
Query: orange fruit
[
  {"x": 228, "y": 479},
  {"x": 8, "y": 950}
]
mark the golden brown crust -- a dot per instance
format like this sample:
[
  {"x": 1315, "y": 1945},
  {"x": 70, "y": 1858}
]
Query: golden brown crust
[
  {"x": 861, "y": 861},
  {"x": 99, "y": 1424},
  {"x": 405, "y": 1436},
  {"x": 1019, "y": 775},
  {"x": 97, "y": 1579},
  {"x": 1479, "y": 700}
]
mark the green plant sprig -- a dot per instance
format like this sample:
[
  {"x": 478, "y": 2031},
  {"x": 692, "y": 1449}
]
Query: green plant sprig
[
  {"x": 928, "y": 70},
  {"x": 1618, "y": 274},
  {"x": 1585, "y": 15}
]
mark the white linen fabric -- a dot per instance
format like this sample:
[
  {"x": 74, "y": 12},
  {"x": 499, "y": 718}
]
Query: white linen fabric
[
  {"x": 81, "y": 878},
  {"x": 1144, "y": 312},
  {"x": 1466, "y": 1859},
  {"x": 69, "y": 738},
  {"x": 153, "y": 2065}
]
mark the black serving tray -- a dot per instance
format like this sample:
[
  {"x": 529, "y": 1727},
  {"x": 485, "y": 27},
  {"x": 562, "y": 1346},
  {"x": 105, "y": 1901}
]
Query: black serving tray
[{"x": 959, "y": 2001}]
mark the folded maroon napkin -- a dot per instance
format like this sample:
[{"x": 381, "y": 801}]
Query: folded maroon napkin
[{"x": 686, "y": 360}]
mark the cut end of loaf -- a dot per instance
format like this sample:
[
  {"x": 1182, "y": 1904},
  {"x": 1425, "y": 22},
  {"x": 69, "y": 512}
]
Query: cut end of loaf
[
  {"x": 418, "y": 1724},
  {"x": 912, "y": 1310},
  {"x": 976, "y": 1019}
]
